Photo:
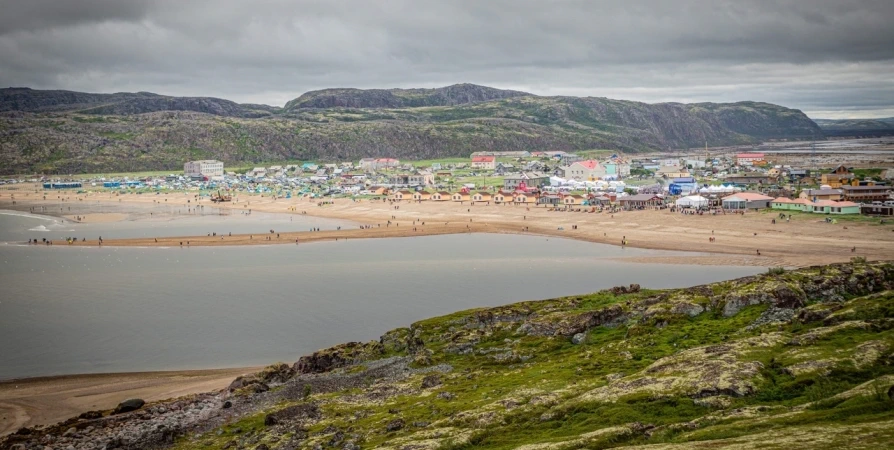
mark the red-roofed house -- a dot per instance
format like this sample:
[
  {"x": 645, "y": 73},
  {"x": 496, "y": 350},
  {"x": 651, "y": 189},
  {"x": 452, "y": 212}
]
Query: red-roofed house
[
  {"x": 749, "y": 159},
  {"x": 484, "y": 162},
  {"x": 589, "y": 170}
]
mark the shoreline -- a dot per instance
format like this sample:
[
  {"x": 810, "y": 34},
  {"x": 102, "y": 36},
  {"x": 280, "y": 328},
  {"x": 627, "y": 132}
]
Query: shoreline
[
  {"x": 47, "y": 400},
  {"x": 805, "y": 241},
  {"x": 749, "y": 239}
]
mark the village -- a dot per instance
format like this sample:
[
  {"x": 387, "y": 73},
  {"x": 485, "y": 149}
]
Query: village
[{"x": 559, "y": 180}]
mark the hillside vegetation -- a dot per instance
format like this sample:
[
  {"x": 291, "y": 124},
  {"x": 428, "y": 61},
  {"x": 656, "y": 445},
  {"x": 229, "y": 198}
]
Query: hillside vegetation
[
  {"x": 71, "y": 132},
  {"x": 787, "y": 360}
]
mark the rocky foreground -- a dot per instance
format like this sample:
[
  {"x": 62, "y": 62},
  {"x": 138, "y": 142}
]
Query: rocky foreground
[{"x": 799, "y": 359}]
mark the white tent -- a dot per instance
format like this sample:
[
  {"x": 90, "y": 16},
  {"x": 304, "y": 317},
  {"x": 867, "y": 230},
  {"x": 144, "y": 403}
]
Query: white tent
[{"x": 692, "y": 201}]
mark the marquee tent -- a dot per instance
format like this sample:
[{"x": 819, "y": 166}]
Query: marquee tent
[{"x": 692, "y": 201}]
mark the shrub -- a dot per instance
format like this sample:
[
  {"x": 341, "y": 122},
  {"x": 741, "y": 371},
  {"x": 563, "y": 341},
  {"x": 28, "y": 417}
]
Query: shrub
[{"x": 776, "y": 270}]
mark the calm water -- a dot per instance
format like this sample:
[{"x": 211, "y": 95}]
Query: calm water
[
  {"x": 16, "y": 226},
  {"x": 80, "y": 310}
]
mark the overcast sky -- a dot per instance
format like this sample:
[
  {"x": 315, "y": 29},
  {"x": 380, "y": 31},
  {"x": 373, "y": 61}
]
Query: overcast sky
[{"x": 830, "y": 58}]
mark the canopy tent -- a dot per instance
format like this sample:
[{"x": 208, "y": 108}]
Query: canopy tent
[{"x": 692, "y": 201}]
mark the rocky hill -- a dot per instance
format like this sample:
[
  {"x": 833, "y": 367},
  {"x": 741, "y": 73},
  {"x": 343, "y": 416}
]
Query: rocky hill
[
  {"x": 70, "y": 132},
  {"x": 457, "y": 94},
  {"x": 787, "y": 360},
  {"x": 123, "y": 103}
]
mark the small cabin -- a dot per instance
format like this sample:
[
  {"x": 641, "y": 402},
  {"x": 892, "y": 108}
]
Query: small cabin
[
  {"x": 440, "y": 196},
  {"x": 481, "y": 197}
]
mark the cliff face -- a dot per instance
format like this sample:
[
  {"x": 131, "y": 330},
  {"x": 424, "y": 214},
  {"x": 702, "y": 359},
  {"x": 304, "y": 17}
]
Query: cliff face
[
  {"x": 70, "y": 132},
  {"x": 783, "y": 360}
]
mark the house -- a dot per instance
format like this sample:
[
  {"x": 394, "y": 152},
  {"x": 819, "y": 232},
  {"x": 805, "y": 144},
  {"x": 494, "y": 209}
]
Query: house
[
  {"x": 484, "y": 162},
  {"x": 481, "y": 197},
  {"x": 418, "y": 179},
  {"x": 866, "y": 194},
  {"x": 589, "y": 170},
  {"x": 749, "y": 159},
  {"x": 795, "y": 175},
  {"x": 379, "y": 190},
  {"x": 573, "y": 200},
  {"x": 461, "y": 197},
  {"x": 529, "y": 179},
  {"x": 601, "y": 200},
  {"x": 787, "y": 204},
  {"x": 385, "y": 163},
  {"x": 402, "y": 195},
  {"x": 500, "y": 197},
  {"x": 830, "y": 207},
  {"x": 746, "y": 200},
  {"x": 820, "y": 194},
  {"x": 672, "y": 172},
  {"x": 421, "y": 196},
  {"x": 550, "y": 199},
  {"x": 257, "y": 172},
  {"x": 570, "y": 158},
  {"x": 368, "y": 164},
  {"x": 616, "y": 167},
  {"x": 524, "y": 198},
  {"x": 440, "y": 196},
  {"x": 640, "y": 200},
  {"x": 837, "y": 178}
]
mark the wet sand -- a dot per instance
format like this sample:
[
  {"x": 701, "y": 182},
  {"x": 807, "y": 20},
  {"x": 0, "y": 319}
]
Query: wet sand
[
  {"x": 46, "y": 400},
  {"x": 749, "y": 239},
  {"x": 97, "y": 217}
]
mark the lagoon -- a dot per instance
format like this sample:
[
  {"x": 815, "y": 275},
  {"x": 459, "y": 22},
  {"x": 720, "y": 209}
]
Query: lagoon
[{"x": 70, "y": 310}]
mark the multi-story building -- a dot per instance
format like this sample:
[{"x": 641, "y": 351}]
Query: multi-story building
[
  {"x": 530, "y": 179},
  {"x": 589, "y": 170},
  {"x": 484, "y": 162},
  {"x": 204, "y": 168},
  {"x": 837, "y": 178},
  {"x": 866, "y": 194}
]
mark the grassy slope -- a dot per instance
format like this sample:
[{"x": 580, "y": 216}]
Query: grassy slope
[
  {"x": 72, "y": 142},
  {"x": 655, "y": 377}
]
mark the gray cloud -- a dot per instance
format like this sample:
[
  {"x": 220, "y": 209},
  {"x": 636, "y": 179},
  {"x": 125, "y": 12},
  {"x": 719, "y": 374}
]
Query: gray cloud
[{"x": 830, "y": 57}]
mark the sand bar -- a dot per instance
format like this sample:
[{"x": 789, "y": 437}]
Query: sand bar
[{"x": 806, "y": 240}]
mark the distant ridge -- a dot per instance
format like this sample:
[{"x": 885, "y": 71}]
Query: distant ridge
[
  {"x": 55, "y": 131},
  {"x": 457, "y": 94}
]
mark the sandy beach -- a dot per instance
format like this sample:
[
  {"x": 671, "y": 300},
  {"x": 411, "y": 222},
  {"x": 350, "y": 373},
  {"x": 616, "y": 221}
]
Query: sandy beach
[
  {"x": 46, "y": 400},
  {"x": 749, "y": 239}
]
